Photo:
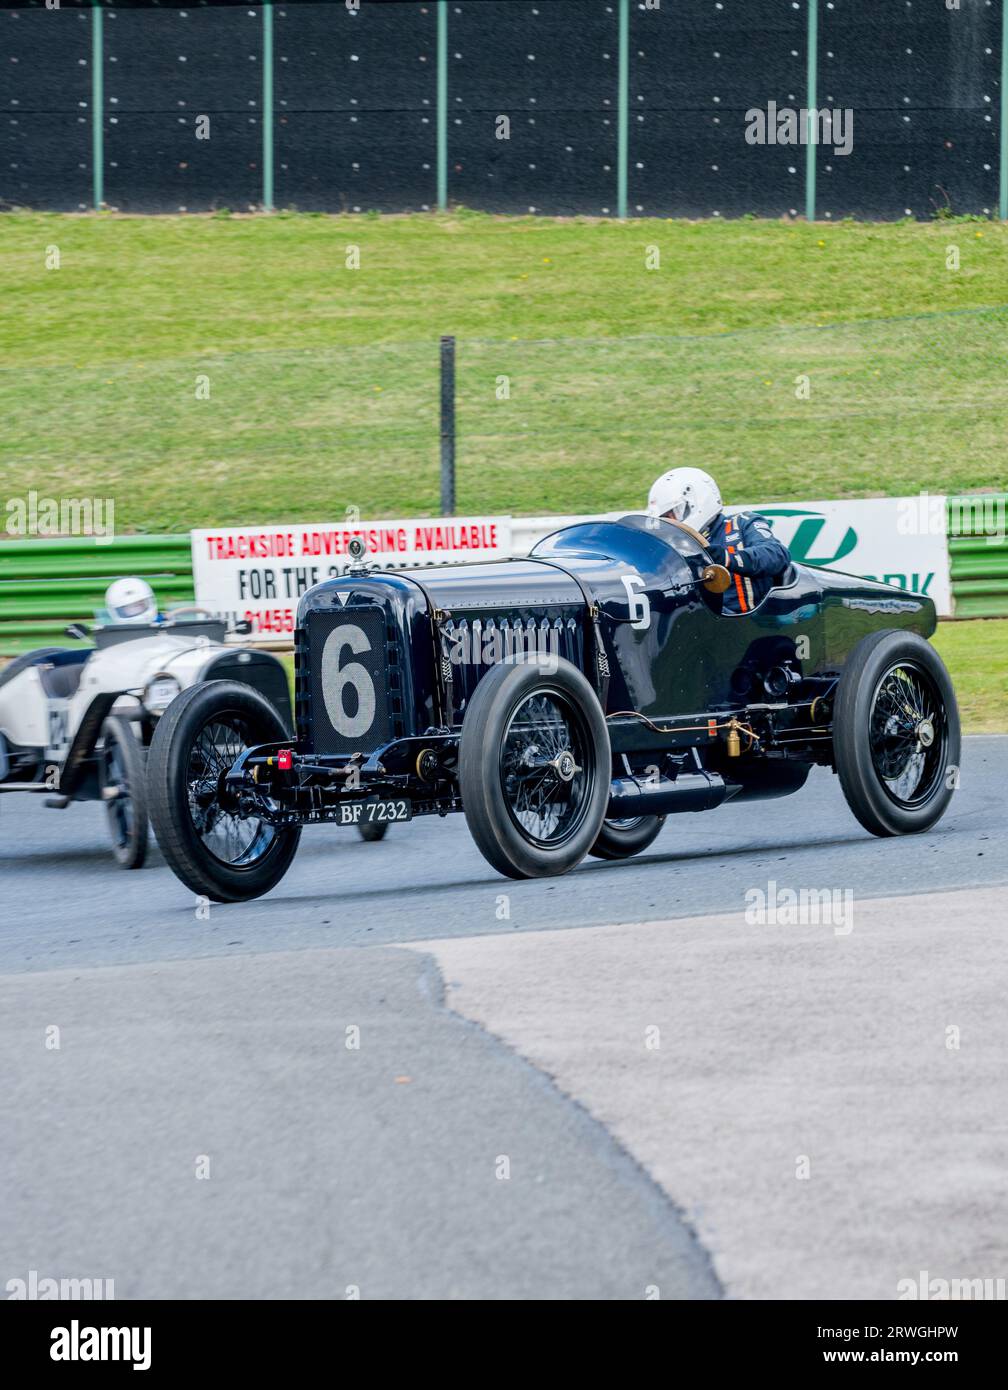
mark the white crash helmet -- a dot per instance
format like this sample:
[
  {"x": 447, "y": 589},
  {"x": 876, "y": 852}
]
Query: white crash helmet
[
  {"x": 131, "y": 601},
  {"x": 685, "y": 494}
]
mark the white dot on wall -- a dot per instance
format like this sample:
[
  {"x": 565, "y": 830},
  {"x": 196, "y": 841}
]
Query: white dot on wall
[
  {"x": 791, "y": 169},
  {"x": 714, "y": 167}
]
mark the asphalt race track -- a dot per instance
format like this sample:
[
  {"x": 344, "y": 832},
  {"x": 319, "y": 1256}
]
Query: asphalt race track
[{"x": 247, "y": 1103}]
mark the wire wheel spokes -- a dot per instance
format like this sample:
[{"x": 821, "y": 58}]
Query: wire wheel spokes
[
  {"x": 120, "y": 806},
  {"x": 233, "y": 839},
  {"x": 908, "y": 734},
  {"x": 546, "y": 768}
]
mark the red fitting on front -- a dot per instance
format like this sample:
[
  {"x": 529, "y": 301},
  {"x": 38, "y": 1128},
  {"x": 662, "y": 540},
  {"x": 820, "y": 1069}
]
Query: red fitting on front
[{"x": 285, "y": 759}]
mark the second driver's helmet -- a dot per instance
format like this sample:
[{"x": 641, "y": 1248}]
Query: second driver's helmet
[
  {"x": 131, "y": 601},
  {"x": 685, "y": 494}
]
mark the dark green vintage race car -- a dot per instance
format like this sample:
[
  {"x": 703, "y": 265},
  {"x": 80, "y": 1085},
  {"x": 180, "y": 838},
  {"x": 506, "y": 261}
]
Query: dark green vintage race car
[{"x": 566, "y": 703}]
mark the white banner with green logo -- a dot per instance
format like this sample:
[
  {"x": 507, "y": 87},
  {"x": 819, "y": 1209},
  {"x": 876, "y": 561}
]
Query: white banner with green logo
[{"x": 898, "y": 540}]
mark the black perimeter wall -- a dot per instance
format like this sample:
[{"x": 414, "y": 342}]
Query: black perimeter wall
[{"x": 355, "y": 106}]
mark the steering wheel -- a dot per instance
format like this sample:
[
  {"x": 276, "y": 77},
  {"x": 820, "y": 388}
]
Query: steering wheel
[
  {"x": 714, "y": 578},
  {"x": 191, "y": 612}
]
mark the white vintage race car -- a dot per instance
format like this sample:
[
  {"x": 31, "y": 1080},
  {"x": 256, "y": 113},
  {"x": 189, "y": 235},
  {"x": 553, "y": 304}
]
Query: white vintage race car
[{"x": 75, "y": 722}]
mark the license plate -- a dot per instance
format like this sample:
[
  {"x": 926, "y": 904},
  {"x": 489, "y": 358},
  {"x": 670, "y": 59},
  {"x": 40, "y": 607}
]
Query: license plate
[{"x": 374, "y": 812}]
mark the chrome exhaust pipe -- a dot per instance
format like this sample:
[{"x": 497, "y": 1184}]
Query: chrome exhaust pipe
[{"x": 662, "y": 796}]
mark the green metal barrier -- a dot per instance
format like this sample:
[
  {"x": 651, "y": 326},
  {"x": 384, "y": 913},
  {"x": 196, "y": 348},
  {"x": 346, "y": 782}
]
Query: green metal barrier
[
  {"x": 46, "y": 584},
  {"x": 978, "y": 553}
]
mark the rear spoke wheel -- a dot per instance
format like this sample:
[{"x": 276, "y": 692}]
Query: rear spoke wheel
[{"x": 122, "y": 778}]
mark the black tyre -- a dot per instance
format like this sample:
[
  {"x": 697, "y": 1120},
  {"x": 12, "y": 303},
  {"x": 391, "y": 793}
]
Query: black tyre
[
  {"x": 373, "y": 830},
  {"x": 896, "y": 737},
  {"x": 619, "y": 839},
  {"x": 122, "y": 777},
  {"x": 215, "y": 851},
  {"x": 534, "y": 767}
]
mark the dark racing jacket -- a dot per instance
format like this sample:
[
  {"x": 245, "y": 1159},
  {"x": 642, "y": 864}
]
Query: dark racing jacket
[{"x": 752, "y": 554}]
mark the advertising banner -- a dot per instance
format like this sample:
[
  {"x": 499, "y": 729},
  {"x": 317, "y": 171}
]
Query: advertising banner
[{"x": 259, "y": 573}]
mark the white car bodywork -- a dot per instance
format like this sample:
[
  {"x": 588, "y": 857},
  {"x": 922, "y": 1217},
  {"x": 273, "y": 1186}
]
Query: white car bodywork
[
  {"x": 33, "y": 719},
  {"x": 50, "y": 726}
]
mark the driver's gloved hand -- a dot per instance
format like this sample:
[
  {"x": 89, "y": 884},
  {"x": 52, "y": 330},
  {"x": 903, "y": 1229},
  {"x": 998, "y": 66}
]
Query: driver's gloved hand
[{"x": 719, "y": 556}]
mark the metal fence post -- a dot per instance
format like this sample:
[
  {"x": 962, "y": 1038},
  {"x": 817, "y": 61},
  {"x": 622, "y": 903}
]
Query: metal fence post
[
  {"x": 1003, "y": 192},
  {"x": 811, "y": 98},
  {"x": 447, "y": 426},
  {"x": 267, "y": 106},
  {"x": 442, "y": 104},
  {"x": 622, "y": 108},
  {"x": 97, "y": 107}
]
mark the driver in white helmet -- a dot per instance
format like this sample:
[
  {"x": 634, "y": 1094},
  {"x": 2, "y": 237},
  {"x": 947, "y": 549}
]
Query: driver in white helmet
[
  {"x": 131, "y": 601},
  {"x": 743, "y": 543}
]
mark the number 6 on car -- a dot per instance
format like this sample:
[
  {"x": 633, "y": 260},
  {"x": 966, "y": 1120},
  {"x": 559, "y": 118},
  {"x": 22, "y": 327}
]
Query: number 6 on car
[{"x": 509, "y": 691}]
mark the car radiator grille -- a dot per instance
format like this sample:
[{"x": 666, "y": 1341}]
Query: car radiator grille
[{"x": 348, "y": 688}]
